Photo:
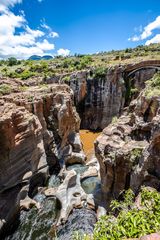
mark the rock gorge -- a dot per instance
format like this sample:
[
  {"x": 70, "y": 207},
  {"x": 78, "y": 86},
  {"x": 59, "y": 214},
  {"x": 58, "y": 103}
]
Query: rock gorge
[
  {"x": 39, "y": 137},
  {"x": 39, "y": 133}
]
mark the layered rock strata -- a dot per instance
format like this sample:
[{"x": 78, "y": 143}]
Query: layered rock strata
[
  {"x": 39, "y": 133},
  {"x": 100, "y": 97},
  {"x": 128, "y": 150}
]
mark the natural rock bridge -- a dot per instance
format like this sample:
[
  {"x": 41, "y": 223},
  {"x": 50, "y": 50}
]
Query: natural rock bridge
[{"x": 151, "y": 64}]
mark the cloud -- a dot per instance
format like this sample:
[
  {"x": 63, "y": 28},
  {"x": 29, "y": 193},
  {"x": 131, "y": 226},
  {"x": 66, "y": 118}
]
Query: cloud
[
  {"x": 155, "y": 39},
  {"x": 52, "y": 34},
  {"x": 148, "y": 31},
  {"x": 45, "y": 45},
  {"x": 24, "y": 42},
  {"x": 133, "y": 39},
  {"x": 63, "y": 52},
  {"x": 9, "y": 3}
]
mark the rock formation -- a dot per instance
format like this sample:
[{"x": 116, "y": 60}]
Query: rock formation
[
  {"x": 128, "y": 150},
  {"x": 39, "y": 135},
  {"x": 100, "y": 97},
  {"x": 39, "y": 130}
]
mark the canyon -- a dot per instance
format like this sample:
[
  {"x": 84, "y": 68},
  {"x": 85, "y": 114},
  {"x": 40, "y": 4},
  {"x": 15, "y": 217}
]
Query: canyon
[{"x": 40, "y": 128}]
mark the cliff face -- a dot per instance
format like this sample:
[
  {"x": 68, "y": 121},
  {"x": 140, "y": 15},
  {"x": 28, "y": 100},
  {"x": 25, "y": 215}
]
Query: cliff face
[
  {"x": 100, "y": 97},
  {"x": 128, "y": 150},
  {"x": 38, "y": 123},
  {"x": 38, "y": 132},
  {"x": 21, "y": 142}
]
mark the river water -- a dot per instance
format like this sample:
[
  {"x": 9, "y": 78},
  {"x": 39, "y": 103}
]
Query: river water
[{"x": 88, "y": 137}]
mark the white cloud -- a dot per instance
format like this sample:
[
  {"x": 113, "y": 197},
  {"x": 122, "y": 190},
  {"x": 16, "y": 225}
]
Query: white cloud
[
  {"x": 63, "y": 52},
  {"x": 155, "y": 39},
  {"x": 26, "y": 42},
  {"x": 148, "y": 31},
  {"x": 9, "y": 3},
  {"x": 45, "y": 45},
  {"x": 133, "y": 39},
  {"x": 52, "y": 34}
]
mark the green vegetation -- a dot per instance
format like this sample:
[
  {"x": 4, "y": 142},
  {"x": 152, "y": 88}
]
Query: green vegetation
[
  {"x": 26, "y": 74},
  {"x": 80, "y": 236},
  {"x": 153, "y": 86},
  {"x": 134, "y": 91},
  {"x": 12, "y": 61},
  {"x": 114, "y": 120},
  {"x": 99, "y": 72},
  {"x": 96, "y": 63},
  {"x": 126, "y": 220},
  {"x": 5, "y": 89},
  {"x": 66, "y": 78},
  {"x": 135, "y": 155}
]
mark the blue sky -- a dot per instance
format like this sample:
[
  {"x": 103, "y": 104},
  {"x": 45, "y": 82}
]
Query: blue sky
[{"x": 76, "y": 26}]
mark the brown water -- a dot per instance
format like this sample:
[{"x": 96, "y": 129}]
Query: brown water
[{"x": 88, "y": 138}]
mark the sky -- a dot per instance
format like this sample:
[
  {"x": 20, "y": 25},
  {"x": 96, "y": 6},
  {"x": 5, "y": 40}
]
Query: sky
[{"x": 66, "y": 27}]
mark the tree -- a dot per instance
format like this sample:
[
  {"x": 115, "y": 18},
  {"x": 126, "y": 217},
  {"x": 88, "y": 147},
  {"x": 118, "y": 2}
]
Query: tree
[{"x": 12, "y": 61}]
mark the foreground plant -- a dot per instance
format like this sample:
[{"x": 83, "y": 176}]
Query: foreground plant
[{"x": 127, "y": 220}]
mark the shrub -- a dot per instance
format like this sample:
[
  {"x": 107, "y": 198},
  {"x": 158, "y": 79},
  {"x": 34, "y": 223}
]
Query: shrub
[
  {"x": 130, "y": 222},
  {"x": 5, "y": 89},
  {"x": 99, "y": 72},
  {"x": 13, "y": 75},
  {"x": 66, "y": 79},
  {"x": 153, "y": 86},
  {"x": 77, "y": 235},
  {"x": 26, "y": 74},
  {"x": 114, "y": 119},
  {"x": 12, "y": 61}
]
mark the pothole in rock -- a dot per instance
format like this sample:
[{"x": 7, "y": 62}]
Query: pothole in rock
[
  {"x": 79, "y": 168},
  {"x": 54, "y": 181},
  {"x": 91, "y": 184}
]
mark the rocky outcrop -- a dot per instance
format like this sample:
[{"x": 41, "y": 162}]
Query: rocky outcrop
[
  {"x": 100, "y": 97},
  {"x": 39, "y": 132},
  {"x": 128, "y": 150},
  {"x": 22, "y": 149}
]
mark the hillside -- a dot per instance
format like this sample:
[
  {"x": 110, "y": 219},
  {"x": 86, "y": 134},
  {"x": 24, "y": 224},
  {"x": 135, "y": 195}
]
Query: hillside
[{"x": 26, "y": 69}]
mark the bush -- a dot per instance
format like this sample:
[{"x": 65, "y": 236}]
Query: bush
[
  {"x": 114, "y": 119},
  {"x": 13, "y": 75},
  {"x": 26, "y": 74},
  {"x": 153, "y": 86},
  {"x": 130, "y": 222},
  {"x": 5, "y": 89},
  {"x": 99, "y": 72},
  {"x": 12, "y": 61},
  {"x": 77, "y": 235}
]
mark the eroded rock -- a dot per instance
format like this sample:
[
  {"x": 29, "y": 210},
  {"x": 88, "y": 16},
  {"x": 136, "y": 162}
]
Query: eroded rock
[{"x": 128, "y": 150}]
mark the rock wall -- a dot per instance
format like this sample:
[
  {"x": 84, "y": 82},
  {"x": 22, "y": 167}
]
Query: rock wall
[
  {"x": 39, "y": 132},
  {"x": 128, "y": 150},
  {"x": 100, "y": 98},
  {"x": 21, "y": 141}
]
